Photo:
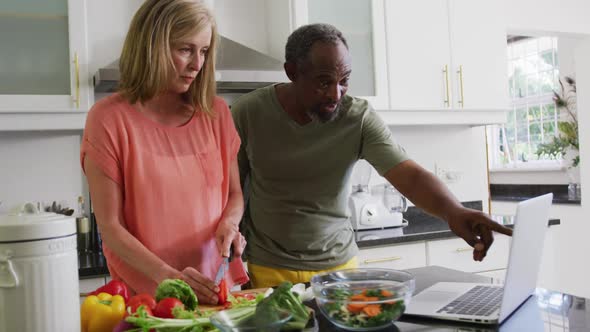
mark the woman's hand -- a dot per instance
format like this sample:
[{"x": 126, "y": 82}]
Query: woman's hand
[
  {"x": 204, "y": 288},
  {"x": 226, "y": 234}
]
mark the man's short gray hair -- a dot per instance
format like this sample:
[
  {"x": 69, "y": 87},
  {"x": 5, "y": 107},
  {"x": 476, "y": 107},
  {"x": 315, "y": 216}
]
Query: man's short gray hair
[{"x": 302, "y": 39}]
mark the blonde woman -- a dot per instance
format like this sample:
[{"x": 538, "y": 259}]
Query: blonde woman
[{"x": 160, "y": 156}]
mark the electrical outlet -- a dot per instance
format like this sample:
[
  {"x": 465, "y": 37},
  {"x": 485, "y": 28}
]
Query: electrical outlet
[
  {"x": 440, "y": 171},
  {"x": 446, "y": 175}
]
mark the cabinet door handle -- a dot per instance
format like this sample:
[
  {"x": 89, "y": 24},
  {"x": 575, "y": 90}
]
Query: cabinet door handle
[
  {"x": 380, "y": 260},
  {"x": 447, "y": 99},
  {"x": 463, "y": 249},
  {"x": 460, "y": 72},
  {"x": 77, "y": 71}
]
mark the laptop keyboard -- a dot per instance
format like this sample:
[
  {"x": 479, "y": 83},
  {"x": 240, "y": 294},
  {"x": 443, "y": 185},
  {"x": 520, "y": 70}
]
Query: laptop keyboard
[{"x": 478, "y": 301}]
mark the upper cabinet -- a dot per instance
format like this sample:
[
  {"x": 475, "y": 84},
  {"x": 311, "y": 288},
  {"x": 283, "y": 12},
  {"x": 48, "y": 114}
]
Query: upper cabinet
[
  {"x": 478, "y": 54},
  {"x": 43, "y": 60},
  {"x": 446, "y": 55},
  {"x": 265, "y": 26},
  {"x": 363, "y": 25}
]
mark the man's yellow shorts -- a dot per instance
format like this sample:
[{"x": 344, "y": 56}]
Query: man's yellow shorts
[{"x": 262, "y": 276}]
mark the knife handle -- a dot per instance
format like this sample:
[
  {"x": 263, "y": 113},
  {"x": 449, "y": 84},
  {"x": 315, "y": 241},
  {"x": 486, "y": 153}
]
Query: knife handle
[{"x": 231, "y": 252}]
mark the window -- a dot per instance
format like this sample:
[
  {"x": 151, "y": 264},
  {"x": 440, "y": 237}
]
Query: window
[{"x": 533, "y": 74}]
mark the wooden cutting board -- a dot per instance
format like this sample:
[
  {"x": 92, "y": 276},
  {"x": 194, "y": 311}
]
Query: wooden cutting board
[{"x": 254, "y": 291}]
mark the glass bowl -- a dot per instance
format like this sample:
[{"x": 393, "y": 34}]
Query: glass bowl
[
  {"x": 234, "y": 320},
  {"x": 363, "y": 299}
]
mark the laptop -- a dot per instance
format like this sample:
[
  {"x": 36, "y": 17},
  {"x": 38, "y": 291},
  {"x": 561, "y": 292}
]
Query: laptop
[{"x": 488, "y": 303}]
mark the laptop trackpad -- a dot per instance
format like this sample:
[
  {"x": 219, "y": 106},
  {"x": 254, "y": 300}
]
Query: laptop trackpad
[{"x": 431, "y": 300}]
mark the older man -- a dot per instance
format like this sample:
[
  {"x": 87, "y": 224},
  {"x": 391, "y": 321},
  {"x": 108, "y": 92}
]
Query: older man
[{"x": 300, "y": 141}]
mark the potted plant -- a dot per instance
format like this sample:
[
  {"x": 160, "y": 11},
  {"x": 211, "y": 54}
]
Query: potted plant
[{"x": 566, "y": 144}]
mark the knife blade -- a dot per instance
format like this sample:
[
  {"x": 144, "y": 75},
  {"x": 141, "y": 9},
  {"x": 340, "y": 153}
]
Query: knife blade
[
  {"x": 224, "y": 266},
  {"x": 221, "y": 270}
]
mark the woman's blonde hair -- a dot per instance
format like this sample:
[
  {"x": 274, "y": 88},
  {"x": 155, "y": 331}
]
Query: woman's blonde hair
[{"x": 146, "y": 64}]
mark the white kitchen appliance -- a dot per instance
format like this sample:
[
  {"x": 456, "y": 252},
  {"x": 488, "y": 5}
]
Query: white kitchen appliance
[
  {"x": 38, "y": 273},
  {"x": 368, "y": 211}
]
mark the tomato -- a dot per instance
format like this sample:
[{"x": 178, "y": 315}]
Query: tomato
[
  {"x": 134, "y": 308},
  {"x": 146, "y": 300},
  {"x": 222, "y": 295},
  {"x": 164, "y": 308},
  {"x": 137, "y": 300}
]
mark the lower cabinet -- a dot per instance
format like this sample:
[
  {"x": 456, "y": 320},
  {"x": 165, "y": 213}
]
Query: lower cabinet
[
  {"x": 399, "y": 257},
  {"x": 450, "y": 253},
  {"x": 458, "y": 255}
]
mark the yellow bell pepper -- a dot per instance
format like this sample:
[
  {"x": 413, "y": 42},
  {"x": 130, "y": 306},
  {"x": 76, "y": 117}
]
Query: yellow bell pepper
[{"x": 102, "y": 312}]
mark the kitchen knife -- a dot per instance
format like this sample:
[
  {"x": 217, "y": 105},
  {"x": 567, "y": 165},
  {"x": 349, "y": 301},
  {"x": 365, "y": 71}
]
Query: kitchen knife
[
  {"x": 221, "y": 271},
  {"x": 224, "y": 266}
]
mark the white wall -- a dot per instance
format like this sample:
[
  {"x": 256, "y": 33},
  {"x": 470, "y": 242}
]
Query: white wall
[
  {"x": 40, "y": 167},
  {"x": 456, "y": 148},
  {"x": 108, "y": 22},
  {"x": 568, "y": 16}
]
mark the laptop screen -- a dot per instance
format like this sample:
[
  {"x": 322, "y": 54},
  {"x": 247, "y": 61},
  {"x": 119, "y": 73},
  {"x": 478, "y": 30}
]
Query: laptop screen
[{"x": 526, "y": 252}]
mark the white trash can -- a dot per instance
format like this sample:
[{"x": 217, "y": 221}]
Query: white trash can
[{"x": 39, "y": 287}]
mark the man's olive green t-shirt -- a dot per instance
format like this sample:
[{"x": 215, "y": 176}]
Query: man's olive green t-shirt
[{"x": 297, "y": 214}]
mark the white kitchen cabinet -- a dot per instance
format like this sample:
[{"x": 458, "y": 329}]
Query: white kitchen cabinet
[
  {"x": 363, "y": 25},
  {"x": 399, "y": 50},
  {"x": 43, "y": 61},
  {"x": 43, "y": 56},
  {"x": 399, "y": 257},
  {"x": 457, "y": 254},
  {"x": 361, "y": 22},
  {"x": 478, "y": 47},
  {"x": 418, "y": 50},
  {"x": 430, "y": 42}
]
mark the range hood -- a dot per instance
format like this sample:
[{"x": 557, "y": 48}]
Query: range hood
[{"x": 239, "y": 69}]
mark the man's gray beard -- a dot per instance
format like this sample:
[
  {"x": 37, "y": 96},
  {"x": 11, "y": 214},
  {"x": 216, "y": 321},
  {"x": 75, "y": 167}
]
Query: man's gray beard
[{"x": 324, "y": 117}]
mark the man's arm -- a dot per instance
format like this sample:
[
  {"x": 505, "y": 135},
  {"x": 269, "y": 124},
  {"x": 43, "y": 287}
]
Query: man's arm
[{"x": 427, "y": 192}]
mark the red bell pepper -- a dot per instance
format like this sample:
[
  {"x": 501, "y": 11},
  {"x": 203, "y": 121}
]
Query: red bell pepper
[
  {"x": 114, "y": 287},
  {"x": 222, "y": 295}
]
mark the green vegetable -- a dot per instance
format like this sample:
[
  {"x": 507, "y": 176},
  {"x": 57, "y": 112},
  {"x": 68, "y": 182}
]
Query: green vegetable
[
  {"x": 283, "y": 299},
  {"x": 178, "y": 289},
  {"x": 239, "y": 302},
  {"x": 181, "y": 313},
  {"x": 146, "y": 323},
  {"x": 357, "y": 315},
  {"x": 240, "y": 316}
]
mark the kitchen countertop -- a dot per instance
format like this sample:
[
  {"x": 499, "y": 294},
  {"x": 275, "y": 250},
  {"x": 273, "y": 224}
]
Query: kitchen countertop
[
  {"x": 557, "y": 199},
  {"x": 544, "y": 311},
  {"x": 420, "y": 229},
  {"x": 521, "y": 192}
]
